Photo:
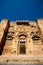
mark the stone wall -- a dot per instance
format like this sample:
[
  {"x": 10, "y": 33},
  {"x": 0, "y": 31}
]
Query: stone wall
[{"x": 4, "y": 25}]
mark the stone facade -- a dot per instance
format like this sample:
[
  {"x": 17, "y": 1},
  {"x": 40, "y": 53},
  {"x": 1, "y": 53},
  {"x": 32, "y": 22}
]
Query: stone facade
[{"x": 21, "y": 38}]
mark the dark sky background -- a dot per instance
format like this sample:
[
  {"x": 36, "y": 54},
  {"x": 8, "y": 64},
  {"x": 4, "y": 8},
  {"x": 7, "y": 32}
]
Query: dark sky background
[{"x": 21, "y": 9}]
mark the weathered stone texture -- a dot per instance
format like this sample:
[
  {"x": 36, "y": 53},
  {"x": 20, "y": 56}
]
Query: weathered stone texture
[
  {"x": 4, "y": 25},
  {"x": 23, "y": 37}
]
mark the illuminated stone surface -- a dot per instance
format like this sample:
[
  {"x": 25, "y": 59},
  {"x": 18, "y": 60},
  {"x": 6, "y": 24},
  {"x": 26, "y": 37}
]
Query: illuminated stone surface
[{"x": 21, "y": 41}]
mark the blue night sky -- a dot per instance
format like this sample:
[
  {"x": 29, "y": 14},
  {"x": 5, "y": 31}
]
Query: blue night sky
[{"x": 21, "y": 9}]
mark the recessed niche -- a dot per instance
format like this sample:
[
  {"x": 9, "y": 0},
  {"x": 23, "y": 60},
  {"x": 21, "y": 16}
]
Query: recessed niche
[
  {"x": 7, "y": 60},
  {"x": 23, "y": 23},
  {"x": 33, "y": 26},
  {"x": 36, "y": 37},
  {"x": 9, "y": 37}
]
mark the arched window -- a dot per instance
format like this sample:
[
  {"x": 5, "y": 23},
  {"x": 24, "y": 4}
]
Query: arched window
[
  {"x": 36, "y": 37},
  {"x": 9, "y": 37},
  {"x": 22, "y": 40},
  {"x": 22, "y": 36}
]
